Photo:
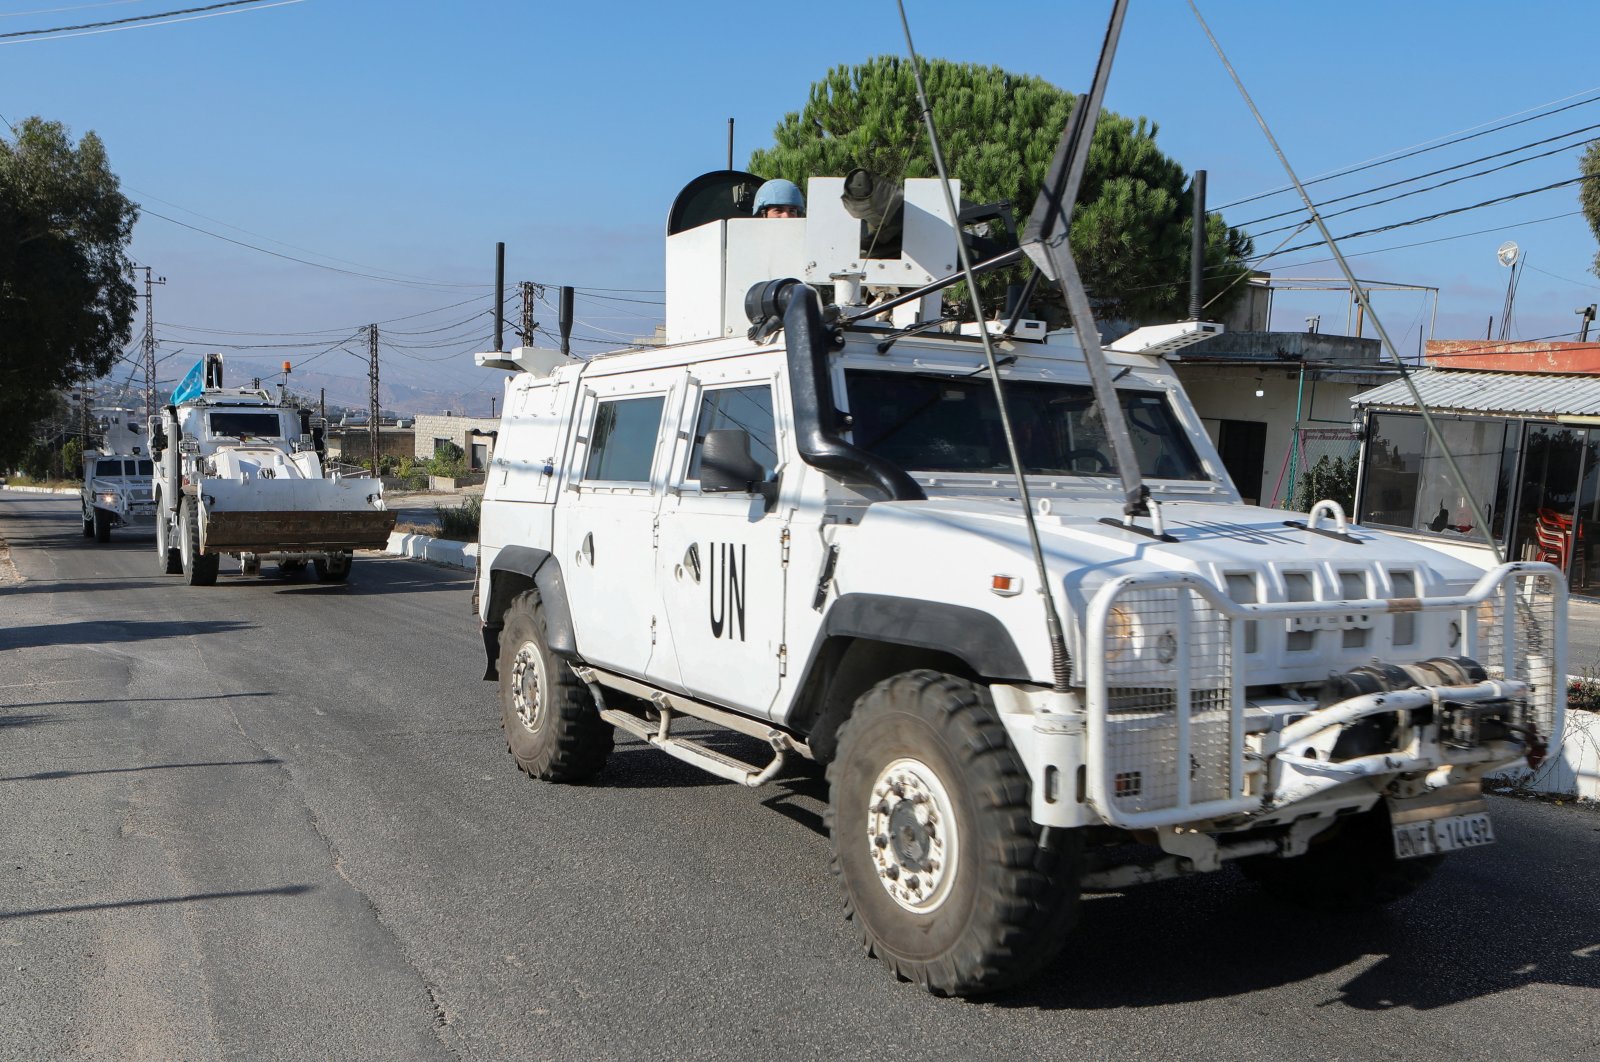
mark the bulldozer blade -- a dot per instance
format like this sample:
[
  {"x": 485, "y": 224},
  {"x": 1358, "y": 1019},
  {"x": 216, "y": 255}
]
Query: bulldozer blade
[{"x": 259, "y": 531}]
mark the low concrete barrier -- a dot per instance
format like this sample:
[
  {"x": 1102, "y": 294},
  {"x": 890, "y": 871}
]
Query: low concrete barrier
[{"x": 462, "y": 555}]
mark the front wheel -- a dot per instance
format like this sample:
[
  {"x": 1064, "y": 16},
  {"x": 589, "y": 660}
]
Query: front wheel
[
  {"x": 553, "y": 729},
  {"x": 199, "y": 569},
  {"x": 334, "y": 568},
  {"x": 1350, "y": 866},
  {"x": 166, "y": 553},
  {"x": 933, "y": 843},
  {"x": 102, "y": 526},
  {"x": 88, "y": 527}
]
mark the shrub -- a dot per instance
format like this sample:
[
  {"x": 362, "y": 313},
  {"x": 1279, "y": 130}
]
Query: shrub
[
  {"x": 448, "y": 460},
  {"x": 460, "y": 522}
]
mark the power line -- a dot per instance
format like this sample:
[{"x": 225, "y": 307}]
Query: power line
[
  {"x": 303, "y": 261},
  {"x": 1419, "y": 150},
  {"x": 1435, "y": 173},
  {"x": 1443, "y": 213},
  {"x": 118, "y": 25},
  {"x": 131, "y": 18}
]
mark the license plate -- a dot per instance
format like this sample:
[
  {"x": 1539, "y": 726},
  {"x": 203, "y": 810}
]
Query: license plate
[{"x": 1432, "y": 836}]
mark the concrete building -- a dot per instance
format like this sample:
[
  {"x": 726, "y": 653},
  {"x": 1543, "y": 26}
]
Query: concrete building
[
  {"x": 353, "y": 443},
  {"x": 475, "y": 436}
]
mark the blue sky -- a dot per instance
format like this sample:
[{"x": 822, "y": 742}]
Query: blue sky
[{"x": 405, "y": 137}]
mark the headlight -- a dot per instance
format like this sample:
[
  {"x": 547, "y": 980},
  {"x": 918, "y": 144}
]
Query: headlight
[
  {"x": 106, "y": 499},
  {"x": 1122, "y": 632}
]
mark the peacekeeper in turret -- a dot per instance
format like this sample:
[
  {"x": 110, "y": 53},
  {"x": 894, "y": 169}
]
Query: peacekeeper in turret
[{"x": 779, "y": 198}]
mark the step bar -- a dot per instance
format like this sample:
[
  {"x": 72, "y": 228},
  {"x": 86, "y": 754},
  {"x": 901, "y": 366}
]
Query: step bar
[{"x": 670, "y": 705}]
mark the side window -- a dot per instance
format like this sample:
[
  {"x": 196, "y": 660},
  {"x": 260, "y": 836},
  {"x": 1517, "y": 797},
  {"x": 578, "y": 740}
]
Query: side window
[
  {"x": 749, "y": 408},
  {"x": 624, "y": 439}
]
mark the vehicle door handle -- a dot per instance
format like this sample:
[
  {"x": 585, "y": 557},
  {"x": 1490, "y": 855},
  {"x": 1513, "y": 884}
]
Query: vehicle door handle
[
  {"x": 586, "y": 551},
  {"x": 691, "y": 561}
]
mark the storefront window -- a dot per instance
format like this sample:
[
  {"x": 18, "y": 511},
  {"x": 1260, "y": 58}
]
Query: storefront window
[{"x": 1408, "y": 482}]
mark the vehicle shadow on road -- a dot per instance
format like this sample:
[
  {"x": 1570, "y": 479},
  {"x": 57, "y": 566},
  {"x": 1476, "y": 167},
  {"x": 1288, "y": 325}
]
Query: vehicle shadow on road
[
  {"x": 103, "y": 632},
  {"x": 45, "y": 776},
  {"x": 282, "y": 890},
  {"x": 46, "y": 586},
  {"x": 1217, "y": 938}
]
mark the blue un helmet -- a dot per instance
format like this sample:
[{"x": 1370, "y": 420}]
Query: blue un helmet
[{"x": 779, "y": 193}]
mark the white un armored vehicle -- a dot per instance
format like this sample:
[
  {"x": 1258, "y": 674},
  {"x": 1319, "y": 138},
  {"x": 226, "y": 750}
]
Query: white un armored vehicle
[
  {"x": 116, "y": 489},
  {"x": 807, "y": 531},
  {"x": 240, "y": 473}
]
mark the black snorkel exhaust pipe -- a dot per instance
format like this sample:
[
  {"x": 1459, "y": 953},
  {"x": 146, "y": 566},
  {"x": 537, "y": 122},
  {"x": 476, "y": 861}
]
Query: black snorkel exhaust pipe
[{"x": 819, "y": 426}]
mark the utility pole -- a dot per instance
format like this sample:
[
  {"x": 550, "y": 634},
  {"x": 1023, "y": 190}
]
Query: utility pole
[
  {"x": 149, "y": 337},
  {"x": 528, "y": 323},
  {"x": 1587, "y": 315},
  {"x": 372, "y": 377}
]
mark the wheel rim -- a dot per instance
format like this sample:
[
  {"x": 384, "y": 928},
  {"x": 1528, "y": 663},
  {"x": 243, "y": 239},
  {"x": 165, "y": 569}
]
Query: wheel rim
[
  {"x": 911, "y": 833},
  {"x": 527, "y": 687}
]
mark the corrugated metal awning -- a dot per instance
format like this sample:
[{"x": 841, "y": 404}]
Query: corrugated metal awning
[{"x": 1507, "y": 393}]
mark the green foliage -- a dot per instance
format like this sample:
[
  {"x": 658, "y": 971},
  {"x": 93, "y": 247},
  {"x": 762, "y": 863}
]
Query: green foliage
[
  {"x": 448, "y": 460},
  {"x": 66, "y": 304},
  {"x": 1130, "y": 231},
  {"x": 72, "y": 457},
  {"x": 1332, "y": 478},
  {"x": 460, "y": 522},
  {"x": 386, "y": 464},
  {"x": 36, "y": 463},
  {"x": 1589, "y": 193}
]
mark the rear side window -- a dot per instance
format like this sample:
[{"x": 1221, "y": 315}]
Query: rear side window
[
  {"x": 624, "y": 439},
  {"x": 749, "y": 408}
]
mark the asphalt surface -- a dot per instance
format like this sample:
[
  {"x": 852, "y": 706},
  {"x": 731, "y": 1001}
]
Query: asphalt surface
[{"x": 272, "y": 819}]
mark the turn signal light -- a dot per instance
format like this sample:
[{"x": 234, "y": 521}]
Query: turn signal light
[{"x": 1006, "y": 585}]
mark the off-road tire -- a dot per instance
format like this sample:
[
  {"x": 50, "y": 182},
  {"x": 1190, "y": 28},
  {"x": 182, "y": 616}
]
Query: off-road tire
[
  {"x": 291, "y": 568},
  {"x": 88, "y": 527},
  {"x": 102, "y": 526},
  {"x": 553, "y": 729},
  {"x": 1010, "y": 904},
  {"x": 332, "y": 569},
  {"x": 1350, "y": 866},
  {"x": 199, "y": 569},
  {"x": 169, "y": 555}
]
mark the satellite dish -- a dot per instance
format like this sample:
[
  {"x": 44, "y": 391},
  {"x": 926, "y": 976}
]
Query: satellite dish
[{"x": 1508, "y": 253}]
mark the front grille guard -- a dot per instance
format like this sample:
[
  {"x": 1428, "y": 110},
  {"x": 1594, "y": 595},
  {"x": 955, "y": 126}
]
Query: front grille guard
[{"x": 1155, "y": 642}]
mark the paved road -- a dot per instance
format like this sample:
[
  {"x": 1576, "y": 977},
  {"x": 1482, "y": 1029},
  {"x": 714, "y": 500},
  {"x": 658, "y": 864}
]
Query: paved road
[{"x": 272, "y": 819}]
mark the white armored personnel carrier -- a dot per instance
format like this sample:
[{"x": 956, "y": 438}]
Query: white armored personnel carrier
[
  {"x": 240, "y": 473},
  {"x": 117, "y": 477},
  {"x": 798, "y": 520}
]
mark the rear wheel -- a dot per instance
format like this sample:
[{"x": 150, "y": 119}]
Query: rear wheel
[
  {"x": 933, "y": 843},
  {"x": 168, "y": 554},
  {"x": 102, "y": 526},
  {"x": 198, "y": 568},
  {"x": 553, "y": 729},
  {"x": 334, "y": 568},
  {"x": 1350, "y": 866}
]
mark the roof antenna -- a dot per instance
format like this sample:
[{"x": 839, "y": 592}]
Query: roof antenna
[
  {"x": 1060, "y": 663},
  {"x": 1361, "y": 296},
  {"x": 1045, "y": 241}
]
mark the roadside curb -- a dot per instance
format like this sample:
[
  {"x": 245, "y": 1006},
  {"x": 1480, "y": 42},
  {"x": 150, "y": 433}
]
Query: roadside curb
[
  {"x": 40, "y": 490},
  {"x": 462, "y": 555}
]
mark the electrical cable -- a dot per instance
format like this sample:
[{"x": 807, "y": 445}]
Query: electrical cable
[{"x": 1407, "y": 153}]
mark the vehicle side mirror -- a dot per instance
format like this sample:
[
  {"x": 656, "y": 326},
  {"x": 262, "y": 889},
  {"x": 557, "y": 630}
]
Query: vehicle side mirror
[
  {"x": 158, "y": 442},
  {"x": 726, "y": 465}
]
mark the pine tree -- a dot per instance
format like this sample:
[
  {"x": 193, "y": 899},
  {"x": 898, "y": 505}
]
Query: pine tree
[{"x": 1130, "y": 231}]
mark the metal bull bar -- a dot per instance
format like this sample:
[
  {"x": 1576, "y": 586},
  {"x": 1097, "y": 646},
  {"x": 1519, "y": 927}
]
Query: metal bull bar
[
  {"x": 246, "y": 531},
  {"x": 1165, "y": 670}
]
